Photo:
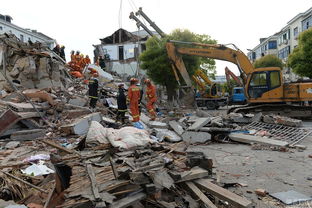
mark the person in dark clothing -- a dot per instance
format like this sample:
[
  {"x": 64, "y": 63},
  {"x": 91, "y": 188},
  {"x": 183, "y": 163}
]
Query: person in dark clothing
[
  {"x": 121, "y": 103},
  {"x": 57, "y": 50},
  {"x": 93, "y": 90},
  {"x": 102, "y": 62},
  {"x": 62, "y": 53}
]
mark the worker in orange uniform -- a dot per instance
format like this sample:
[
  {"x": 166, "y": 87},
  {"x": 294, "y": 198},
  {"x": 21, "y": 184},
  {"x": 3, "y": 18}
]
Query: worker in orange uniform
[
  {"x": 151, "y": 98},
  {"x": 133, "y": 98},
  {"x": 87, "y": 60}
]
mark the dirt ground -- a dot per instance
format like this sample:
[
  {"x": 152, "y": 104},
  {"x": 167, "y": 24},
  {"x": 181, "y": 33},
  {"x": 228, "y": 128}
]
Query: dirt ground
[{"x": 273, "y": 171}]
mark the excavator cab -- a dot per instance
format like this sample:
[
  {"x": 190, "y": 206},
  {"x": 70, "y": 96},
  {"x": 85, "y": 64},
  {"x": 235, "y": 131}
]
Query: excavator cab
[{"x": 263, "y": 81}]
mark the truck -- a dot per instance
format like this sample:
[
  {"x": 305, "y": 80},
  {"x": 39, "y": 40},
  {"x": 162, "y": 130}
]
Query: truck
[{"x": 237, "y": 94}]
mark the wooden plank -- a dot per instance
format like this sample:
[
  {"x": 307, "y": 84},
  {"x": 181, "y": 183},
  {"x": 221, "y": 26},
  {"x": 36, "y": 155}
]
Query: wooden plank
[
  {"x": 200, "y": 195},
  {"x": 94, "y": 187},
  {"x": 249, "y": 139},
  {"x": 7, "y": 120},
  {"x": 194, "y": 173},
  {"x": 128, "y": 201},
  {"x": 57, "y": 146},
  {"x": 27, "y": 135},
  {"x": 221, "y": 193}
]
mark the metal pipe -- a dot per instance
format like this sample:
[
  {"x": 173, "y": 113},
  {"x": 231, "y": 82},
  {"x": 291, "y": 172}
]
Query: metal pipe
[
  {"x": 152, "y": 24},
  {"x": 140, "y": 24}
]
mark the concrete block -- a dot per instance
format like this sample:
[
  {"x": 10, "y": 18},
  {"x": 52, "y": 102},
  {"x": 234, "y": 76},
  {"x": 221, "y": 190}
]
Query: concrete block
[
  {"x": 199, "y": 122},
  {"x": 250, "y": 139},
  {"x": 78, "y": 101},
  {"x": 176, "y": 127},
  {"x": 157, "y": 124},
  {"x": 196, "y": 137},
  {"x": 81, "y": 125}
]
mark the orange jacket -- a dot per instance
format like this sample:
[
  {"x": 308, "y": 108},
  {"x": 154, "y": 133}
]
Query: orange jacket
[
  {"x": 87, "y": 60},
  {"x": 133, "y": 94},
  {"x": 151, "y": 93},
  {"x": 72, "y": 57}
]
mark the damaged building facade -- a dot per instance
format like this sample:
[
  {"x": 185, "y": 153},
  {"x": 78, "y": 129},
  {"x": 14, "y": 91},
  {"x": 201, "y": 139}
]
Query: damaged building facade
[
  {"x": 24, "y": 35},
  {"x": 122, "y": 50}
]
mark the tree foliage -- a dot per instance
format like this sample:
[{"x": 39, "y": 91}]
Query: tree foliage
[
  {"x": 268, "y": 61},
  {"x": 156, "y": 62},
  {"x": 300, "y": 60}
]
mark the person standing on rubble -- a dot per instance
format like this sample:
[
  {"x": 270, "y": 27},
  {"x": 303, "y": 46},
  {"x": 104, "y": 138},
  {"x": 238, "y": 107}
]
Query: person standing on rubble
[
  {"x": 93, "y": 86},
  {"x": 133, "y": 98},
  {"x": 151, "y": 98},
  {"x": 57, "y": 49},
  {"x": 102, "y": 62},
  {"x": 87, "y": 60},
  {"x": 121, "y": 103},
  {"x": 62, "y": 53}
]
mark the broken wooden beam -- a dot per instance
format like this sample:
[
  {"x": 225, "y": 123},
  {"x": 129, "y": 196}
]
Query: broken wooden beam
[
  {"x": 196, "y": 191},
  {"x": 25, "y": 182},
  {"x": 57, "y": 146},
  {"x": 7, "y": 120},
  {"x": 27, "y": 134},
  {"x": 128, "y": 201},
  {"x": 221, "y": 193},
  {"x": 94, "y": 187}
]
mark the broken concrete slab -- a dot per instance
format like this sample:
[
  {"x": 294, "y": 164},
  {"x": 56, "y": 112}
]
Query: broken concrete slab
[
  {"x": 23, "y": 107},
  {"x": 157, "y": 124},
  {"x": 250, "y": 139},
  {"x": 167, "y": 135},
  {"x": 196, "y": 137},
  {"x": 176, "y": 127},
  {"x": 12, "y": 145},
  {"x": 78, "y": 101},
  {"x": 199, "y": 123},
  {"x": 291, "y": 197},
  {"x": 81, "y": 125}
]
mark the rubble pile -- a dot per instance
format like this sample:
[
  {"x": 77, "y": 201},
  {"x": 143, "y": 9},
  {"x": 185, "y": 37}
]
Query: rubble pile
[{"x": 30, "y": 65}]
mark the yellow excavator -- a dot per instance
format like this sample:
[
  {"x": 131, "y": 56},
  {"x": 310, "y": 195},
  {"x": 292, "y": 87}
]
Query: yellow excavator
[
  {"x": 265, "y": 88},
  {"x": 209, "y": 93}
]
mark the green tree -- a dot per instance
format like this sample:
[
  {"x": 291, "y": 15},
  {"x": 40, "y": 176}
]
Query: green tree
[
  {"x": 300, "y": 60},
  {"x": 157, "y": 65},
  {"x": 268, "y": 61}
]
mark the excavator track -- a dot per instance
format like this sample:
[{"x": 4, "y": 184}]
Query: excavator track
[{"x": 294, "y": 111}]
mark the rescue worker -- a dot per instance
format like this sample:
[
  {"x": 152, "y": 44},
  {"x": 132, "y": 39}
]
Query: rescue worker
[
  {"x": 133, "y": 98},
  {"x": 87, "y": 60},
  {"x": 72, "y": 56},
  {"x": 121, "y": 103},
  {"x": 102, "y": 62},
  {"x": 93, "y": 86},
  {"x": 151, "y": 98},
  {"x": 62, "y": 53},
  {"x": 57, "y": 49}
]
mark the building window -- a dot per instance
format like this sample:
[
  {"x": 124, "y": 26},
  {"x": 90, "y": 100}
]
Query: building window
[
  {"x": 306, "y": 23},
  {"x": 272, "y": 44},
  {"x": 284, "y": 52},
  {"x": 1, "y": 28},
  {"x": 296, "y": 31},
  {"x": 22, "y": 37},
  {"x": 121, "y": 52}
]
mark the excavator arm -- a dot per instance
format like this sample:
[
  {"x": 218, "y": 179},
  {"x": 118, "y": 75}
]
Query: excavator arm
[
  {"x": 215, "y": 51},
  {"x": 229, "y": 74}
]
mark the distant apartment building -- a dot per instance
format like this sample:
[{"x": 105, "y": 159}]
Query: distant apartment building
[
  {"x": 25, "y": 35},
  {"x": 283, "y": 42}
]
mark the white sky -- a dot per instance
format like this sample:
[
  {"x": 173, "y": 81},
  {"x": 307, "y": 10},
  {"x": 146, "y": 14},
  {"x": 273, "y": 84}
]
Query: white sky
[{"x": 78, "y": 24}]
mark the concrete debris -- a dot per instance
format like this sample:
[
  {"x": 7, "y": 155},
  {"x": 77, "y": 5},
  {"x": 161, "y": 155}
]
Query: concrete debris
[
  {"x": 276, "y": 119},
  {"x": 95, "y": 161}
]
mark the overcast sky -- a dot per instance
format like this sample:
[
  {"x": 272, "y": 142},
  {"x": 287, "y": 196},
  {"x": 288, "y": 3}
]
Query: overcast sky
[{"x": 78, "y": 24}]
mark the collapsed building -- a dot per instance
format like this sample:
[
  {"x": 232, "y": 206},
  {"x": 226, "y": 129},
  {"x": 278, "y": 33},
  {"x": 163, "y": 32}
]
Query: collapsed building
[{"x": 122, "y": 50}]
